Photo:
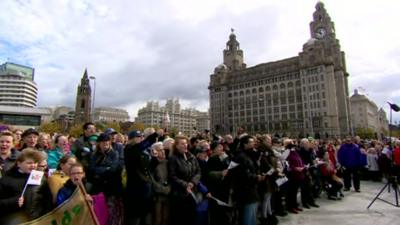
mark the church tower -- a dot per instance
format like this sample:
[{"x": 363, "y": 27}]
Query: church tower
[
  {"x": 233, "y": 55},
  {"x": 83, "y": 100}
]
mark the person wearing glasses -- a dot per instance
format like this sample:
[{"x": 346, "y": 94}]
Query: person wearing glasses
[{"x": 77, "y": 177}]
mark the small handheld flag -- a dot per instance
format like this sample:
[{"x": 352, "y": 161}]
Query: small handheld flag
[{"x": 35, "y": 178}]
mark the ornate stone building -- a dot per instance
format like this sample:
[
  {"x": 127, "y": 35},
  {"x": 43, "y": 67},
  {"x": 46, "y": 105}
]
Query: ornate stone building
[
  {"x": 171, "y": 115},
  {"x": 366, "y": 115},
  {"x": 83, "y": 104},
  {"x": 110, "y": 114},
  {"x": 302, "y": 95}
]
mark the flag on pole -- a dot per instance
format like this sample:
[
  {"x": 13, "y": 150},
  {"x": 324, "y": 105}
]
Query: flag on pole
[
  {"x": 74, "y": 211},
  {"x": 167, "y": 120},
  {"x": 35, "y": 178},
  {"x": 394, "y": 107},
  {"x": 232, "y": 165}
]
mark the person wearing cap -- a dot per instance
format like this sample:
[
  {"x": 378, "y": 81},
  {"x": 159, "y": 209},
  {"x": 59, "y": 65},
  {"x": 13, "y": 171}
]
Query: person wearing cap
[
  {"x": 116, "y": 146},
  {"x": 104, "y": 173},
  {"x": 138, "y": 160},
  {"x": 81, "y": 148},
  {"x": 30, "y": 139}
]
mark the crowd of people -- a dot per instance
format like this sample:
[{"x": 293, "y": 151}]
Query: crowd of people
[{"x": 150, "y": 178}]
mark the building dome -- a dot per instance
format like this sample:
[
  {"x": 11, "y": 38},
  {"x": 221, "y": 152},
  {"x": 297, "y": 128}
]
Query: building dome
[
  {"x": 311, "y": 41},
  {"x": 221, "y": 68}
]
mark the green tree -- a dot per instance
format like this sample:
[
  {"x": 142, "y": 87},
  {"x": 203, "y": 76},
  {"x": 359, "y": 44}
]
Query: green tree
[
  {"x": 365, "y": 133},
  {"x": 138, "y": 126},
  {"x": 114, "y": 125},
  {"x": 50, "y": 128},
  {"x": 76, "y": 130},
  {"x": 173, "y": 131}
]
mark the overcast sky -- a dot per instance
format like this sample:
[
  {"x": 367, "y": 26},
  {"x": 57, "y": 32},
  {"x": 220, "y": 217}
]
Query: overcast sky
[{"x": 144, "y": 50}]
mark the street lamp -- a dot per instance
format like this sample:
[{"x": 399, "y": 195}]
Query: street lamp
[{"x": 94, "y": 95}]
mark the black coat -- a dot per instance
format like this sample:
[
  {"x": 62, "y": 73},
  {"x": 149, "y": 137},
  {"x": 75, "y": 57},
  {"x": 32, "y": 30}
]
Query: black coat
[
  {"x": 217, "y": 184},
  {"x": 182, "y": 171},
  {"x": 105, "y": 173},
  {"x": 244, "y": 178},
  {"x": 11, "y": 187}
]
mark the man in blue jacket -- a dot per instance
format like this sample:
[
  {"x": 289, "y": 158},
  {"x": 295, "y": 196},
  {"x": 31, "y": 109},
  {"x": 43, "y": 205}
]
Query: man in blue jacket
[{"x": 349, "y": 156}]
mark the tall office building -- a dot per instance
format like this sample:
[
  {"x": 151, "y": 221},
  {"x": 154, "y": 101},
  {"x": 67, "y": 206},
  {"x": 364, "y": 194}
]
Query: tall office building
[
  {"x": 17, "y": 86},
  {"x": 303, "y": 95}
]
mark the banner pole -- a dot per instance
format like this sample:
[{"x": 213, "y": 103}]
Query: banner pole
[{"x": 92, "y": 213}]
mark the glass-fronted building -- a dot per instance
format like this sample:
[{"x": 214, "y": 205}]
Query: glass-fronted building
[
  {"x": 23, "y": 117},
  {"x": 17, "y": 86}
]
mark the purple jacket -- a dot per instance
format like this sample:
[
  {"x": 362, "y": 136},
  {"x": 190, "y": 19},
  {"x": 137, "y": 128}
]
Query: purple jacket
[
  {"x": 349, "y": 156},
  {"x": 295, "y": 160}
]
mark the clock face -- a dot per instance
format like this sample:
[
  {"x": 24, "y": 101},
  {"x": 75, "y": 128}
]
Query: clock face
[{"x": 320, "y": 33}]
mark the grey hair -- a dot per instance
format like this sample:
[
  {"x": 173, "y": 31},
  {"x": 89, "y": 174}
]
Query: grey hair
[
  {"x": 304, "y": 141},
  {"x": 168, "y": 140},
  {"x": 157, "y": 146}
]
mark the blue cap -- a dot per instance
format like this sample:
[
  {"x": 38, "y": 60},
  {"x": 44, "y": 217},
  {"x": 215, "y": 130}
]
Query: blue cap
[
  {"x": 110, "y": 131},
  {"x": 103, "y": 137},
  {"x": 135, "y": 133}
]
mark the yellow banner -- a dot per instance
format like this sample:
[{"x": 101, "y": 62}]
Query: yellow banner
[{"x": 74, "y": 211}]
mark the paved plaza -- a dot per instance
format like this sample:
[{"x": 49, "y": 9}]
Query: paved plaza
[{"x": 351, "y": 210}]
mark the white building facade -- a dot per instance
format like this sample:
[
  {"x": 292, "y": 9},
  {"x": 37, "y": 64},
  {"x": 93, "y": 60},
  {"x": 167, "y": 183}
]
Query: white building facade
[
  {"x": 171, "y": 116},
  {"x": 109, "y": 114},
  {"x": 366, "y": 115}
]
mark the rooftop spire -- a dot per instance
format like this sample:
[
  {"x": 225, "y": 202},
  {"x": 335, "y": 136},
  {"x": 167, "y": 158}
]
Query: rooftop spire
[{"x": 85, "y": 74}]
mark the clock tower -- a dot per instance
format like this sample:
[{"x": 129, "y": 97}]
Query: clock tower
[
  {"x": 233, "y": 55},
  {"x": 322, "y": 27},
  {"x": 323, "y": 59}
]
